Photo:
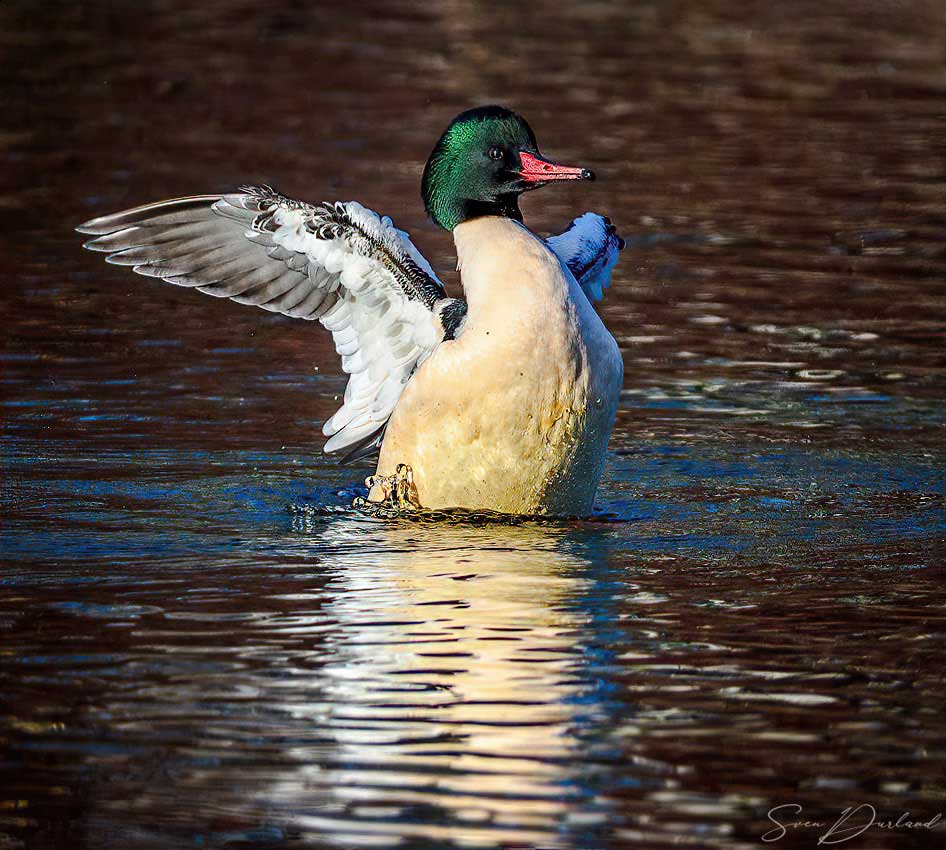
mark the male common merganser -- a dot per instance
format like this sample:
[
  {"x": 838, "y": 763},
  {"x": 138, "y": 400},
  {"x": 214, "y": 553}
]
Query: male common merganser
[{"x": 503, "y": 401}]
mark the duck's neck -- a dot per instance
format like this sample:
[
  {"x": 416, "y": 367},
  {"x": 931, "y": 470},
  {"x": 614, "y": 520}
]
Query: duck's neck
[{"x": 506, "y": 271}]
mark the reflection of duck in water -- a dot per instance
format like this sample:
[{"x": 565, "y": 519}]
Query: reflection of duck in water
[
  {"x": 503, "y": 401},
  {"x": 453, "y": 683}
]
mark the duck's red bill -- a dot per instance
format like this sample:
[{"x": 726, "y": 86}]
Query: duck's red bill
[{"x": 536, "y": 169}]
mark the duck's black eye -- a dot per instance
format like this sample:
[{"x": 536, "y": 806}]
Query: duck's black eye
[{"x": 496, "y": 152}]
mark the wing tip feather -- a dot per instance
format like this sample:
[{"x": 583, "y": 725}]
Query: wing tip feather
[{"x": 105, "y": 224}]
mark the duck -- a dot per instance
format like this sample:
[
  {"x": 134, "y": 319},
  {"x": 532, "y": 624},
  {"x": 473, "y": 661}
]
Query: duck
[{"x": 501, "y": 400}]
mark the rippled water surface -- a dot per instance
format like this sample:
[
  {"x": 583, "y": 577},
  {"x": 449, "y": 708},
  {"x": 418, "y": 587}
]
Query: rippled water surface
[{"x": 754, "y": 619}]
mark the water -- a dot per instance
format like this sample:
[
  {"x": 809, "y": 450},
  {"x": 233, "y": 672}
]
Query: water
[{"x": 754, "y": 619}]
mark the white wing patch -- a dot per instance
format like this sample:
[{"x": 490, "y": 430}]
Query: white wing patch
[
  {"x": 380, "y": 335},
  {"x": 589, "y": 247}
]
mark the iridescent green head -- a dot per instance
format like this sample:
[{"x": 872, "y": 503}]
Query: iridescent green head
[{"x": 482, "y": 163}]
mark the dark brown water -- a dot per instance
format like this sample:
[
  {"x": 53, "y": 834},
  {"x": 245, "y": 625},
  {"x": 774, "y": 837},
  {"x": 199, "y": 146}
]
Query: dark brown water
[{"x": 759, "y": 623}]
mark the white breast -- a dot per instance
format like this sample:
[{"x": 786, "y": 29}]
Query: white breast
[{"x": 514, "y": 415}]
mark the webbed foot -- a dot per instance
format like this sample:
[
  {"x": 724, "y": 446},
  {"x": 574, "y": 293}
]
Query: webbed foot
[{"x": 396, "y": 491}]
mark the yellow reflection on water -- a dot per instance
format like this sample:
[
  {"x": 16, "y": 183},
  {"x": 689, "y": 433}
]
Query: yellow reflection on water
[{"x": 452, "y": 683}]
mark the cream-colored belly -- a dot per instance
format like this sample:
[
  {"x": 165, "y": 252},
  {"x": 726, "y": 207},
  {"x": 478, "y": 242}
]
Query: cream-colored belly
[{"x": 515, "y": 415}]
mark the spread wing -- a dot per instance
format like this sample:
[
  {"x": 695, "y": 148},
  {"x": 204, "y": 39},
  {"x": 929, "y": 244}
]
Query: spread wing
[
  {"x": 340, "y": 263},
  {"x": 589, "y": 247}
]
